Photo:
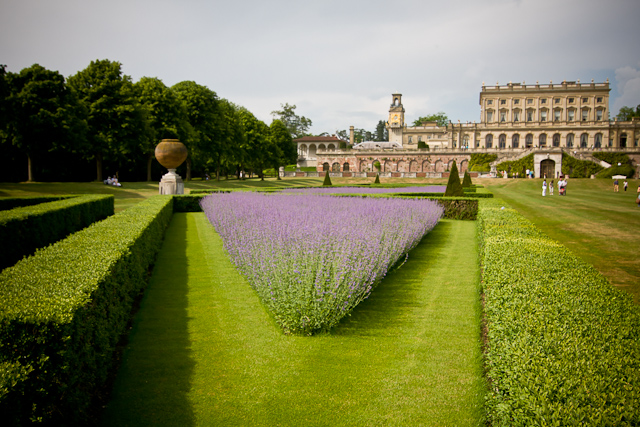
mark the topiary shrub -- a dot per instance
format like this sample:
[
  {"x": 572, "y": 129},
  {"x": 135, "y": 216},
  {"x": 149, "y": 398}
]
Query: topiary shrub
[
  {"x": 327, "y": 179},
  {"x": 454, "y": 187},
  {"x": 377, "y": 181},
  {"x": 466, "y": 181}
]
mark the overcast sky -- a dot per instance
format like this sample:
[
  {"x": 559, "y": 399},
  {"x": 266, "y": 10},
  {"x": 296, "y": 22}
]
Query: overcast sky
[{"x": 338, "y": 61}]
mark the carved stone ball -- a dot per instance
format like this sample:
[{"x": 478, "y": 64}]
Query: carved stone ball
[{"x": 170, "y": 153}]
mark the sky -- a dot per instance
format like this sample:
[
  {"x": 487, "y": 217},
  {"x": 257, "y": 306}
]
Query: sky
[{"x": 338, "y": 61}]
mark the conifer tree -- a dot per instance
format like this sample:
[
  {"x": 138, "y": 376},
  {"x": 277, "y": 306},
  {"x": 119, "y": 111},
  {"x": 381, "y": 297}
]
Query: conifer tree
[
  {"x": 377, "y": 181},
  {"x": 327, "y": 179},
  {"x": 466, "y": 181},
  {"x": 454, "y": 188}
]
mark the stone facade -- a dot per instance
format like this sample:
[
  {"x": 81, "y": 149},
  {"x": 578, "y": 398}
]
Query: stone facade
[{"x": 516, "y": 120}]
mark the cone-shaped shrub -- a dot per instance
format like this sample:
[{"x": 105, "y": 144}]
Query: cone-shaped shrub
[
  {"x": 454, "y": 188},
  {"x": 327, "y": 179},
  {"x": 377, "y": 181},
  {"x": 466, "y": 181}
]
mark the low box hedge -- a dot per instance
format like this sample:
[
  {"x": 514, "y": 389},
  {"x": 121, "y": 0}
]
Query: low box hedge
[
  {"x": 7, "y": 203},
  {"x": 25, "y": 229},
  {"x": 64, "y": 310},
  {"x": 562, "y": 345}
]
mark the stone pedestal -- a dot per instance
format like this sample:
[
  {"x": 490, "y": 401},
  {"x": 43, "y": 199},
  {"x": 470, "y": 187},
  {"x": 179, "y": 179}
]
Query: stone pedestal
[{"x": 171, "y": 183}]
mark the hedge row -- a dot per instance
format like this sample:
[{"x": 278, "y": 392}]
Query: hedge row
[
  {"x": 64, "y": 310},
  {"x": 25, "y": 229},
  {"x": 7, "y": 203},
  {"x": 562, "y": 345}
]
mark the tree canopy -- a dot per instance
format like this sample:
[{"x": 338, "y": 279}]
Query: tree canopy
[
  {"x": 627, "y": 113},
  {"x": 440, "y": 117},
  {"x": 298, "y": 126}
]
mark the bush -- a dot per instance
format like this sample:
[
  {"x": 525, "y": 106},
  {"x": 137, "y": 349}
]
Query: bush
[
  {"x": 626, "y": 170},
  {"x": 520, "y": 166},
  {"x": 327, "y": 179},
  {"x": 423, "y": 146},
  {"x": 64, "y": 310},
  {"x": 612, "y": 158},
  {"x": 480, "y": 162},
  {"x": 25, "y": 229},
  {"x": 7, "y": 203},
  {"x": 579, "y": 168},
  {"x": 190, "y": 202},
  {"x": 454, "y": 187},
  {"x": 562, "y": 345},
  {"x": 377, "y": 181},
  {"x": 466, "y": 181}
]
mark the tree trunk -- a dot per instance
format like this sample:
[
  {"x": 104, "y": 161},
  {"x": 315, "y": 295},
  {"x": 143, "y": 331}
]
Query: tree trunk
[
  {"x": 218, "y": 170},
  {"x": 149, "y": 162},
  {"x": 29, "y": 169},
  {"x": 188, "y": 177},
  {"x": 99, "y": 168}
]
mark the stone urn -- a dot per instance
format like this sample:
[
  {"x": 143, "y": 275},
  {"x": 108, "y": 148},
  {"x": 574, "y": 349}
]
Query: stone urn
[{"x": 171, "y": 153}]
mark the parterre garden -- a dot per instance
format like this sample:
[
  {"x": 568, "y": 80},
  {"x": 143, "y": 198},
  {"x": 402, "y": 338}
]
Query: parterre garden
[{"x": 461, "y": 323}]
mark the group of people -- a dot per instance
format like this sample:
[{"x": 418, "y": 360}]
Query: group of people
[
  {"x": 562, "y": 187},
  {"x": 112, "y": 181},
  {"x": 615, "y": 185}
]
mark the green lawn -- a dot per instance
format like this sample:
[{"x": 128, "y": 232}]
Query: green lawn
[
  {"x": 596, "y": 224},
  {"x": 204, "y": 352}
]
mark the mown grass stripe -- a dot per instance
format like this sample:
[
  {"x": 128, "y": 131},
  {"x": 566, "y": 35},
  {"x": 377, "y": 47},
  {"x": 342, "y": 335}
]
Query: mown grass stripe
[{"x": 409, "y": 355}]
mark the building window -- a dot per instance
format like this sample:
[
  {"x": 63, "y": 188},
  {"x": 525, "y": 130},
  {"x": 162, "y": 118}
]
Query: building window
[
  {"x": 515, "y": 140},
  {"x": 585, "y": 100},
  {"x": 584, "y": 140},
  {"x": 465, "y": 141},
  {"x": 543, "y": 115},
  {"x": 542, "y": 140},
  {"x": 503, "y": 116},
  {"x": 529, "y": 115},
  {"x": 598, "y": 115},
  {"x": 420, "y": 138},
  {"x": 572, "y": 115},
  {"x": 488, "y": 141},
  {"x": 516, "y": 101},
  {"x": 529, "y": 101},
  {"x": 489, "y": 116},
  {"x": 503, "y": 101},
  {"x": 543, "y": 100},
  {"x": 598, "y": 140},
  {"x": 571, "y": 99},
  {"x": 410, "y": 139},
  {"x": 516, "y": 116},
  {"x": 502, "y": 141},
  {"x": 557, "y": 100},
  {"x": 570, "y": 140},
  {"x": 528, "y": 140},
  {"x": 585, "y": 115},
  {"x": 556, "y": 140},
  {"x": 556, "y": 116},
  {"x": 599, "y": 99},
  {"x": 489, "y": 102}
]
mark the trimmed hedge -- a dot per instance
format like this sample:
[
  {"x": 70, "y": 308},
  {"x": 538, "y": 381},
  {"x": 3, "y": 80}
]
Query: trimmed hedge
[
  {"x": 562, "y": 344},
  {"x": 576, "y": 168},
  {"x": 25, "y": 229},
  {"x": 189, "y": 202},
  {"x": 64, "y": 310},
  {"x": 7, "y": 203}
]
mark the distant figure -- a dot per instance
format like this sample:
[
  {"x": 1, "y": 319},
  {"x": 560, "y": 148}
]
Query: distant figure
[
  {"x": 626, "y": 184},
  {"x": 551, "y": 188},
  {"x": 615, "y": 185},
  {"x": 638, "y": 199},
  {"x": 544, "y": 188}
]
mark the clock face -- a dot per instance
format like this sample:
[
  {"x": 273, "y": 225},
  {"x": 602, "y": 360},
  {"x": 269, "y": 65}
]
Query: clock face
[{"x": 395, "y": 117}]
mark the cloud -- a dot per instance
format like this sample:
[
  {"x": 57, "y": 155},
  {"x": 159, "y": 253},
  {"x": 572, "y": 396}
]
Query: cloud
[{"x": 628, "y": 84}]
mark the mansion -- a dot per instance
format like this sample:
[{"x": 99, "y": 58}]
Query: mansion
[{"x": 516, "y": 120}]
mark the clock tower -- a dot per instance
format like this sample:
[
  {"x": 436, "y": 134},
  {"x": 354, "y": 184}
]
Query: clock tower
[{"x": 395, "y": 125}]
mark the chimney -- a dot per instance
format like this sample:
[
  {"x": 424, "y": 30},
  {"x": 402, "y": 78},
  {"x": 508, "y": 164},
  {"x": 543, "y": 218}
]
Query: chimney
[{"x": 351, "y": 136}]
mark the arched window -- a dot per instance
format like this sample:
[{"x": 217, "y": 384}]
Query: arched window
[
  {"x": 556, "y": 140},
  {"x": 325, "y": 167},
  {"x": 515, "y": 141},
  {"x": 528, "y": 140},
  {"x": 584, "y": 140},
  {"x": 465, "y": 141},
  {"x": 335, "y": 167},
  {"x": 570, "y": 140},
  {"x": 345, "y": 167},
  {"x": 488, "y": 141},
  {"x": 502, "y": 141},
  {"x": 542, "y": 140},
  {"x": 598, "y": 141},
  {"x": 623, "y": 140}
]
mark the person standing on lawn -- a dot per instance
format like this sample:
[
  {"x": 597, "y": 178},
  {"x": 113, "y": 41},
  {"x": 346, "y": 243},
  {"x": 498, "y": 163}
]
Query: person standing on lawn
[
  {"x": 544, "y": 188},
  {"x": 615, "y": 185},
  {"x": 626, "y": 184},
  {"x": 551, "y": 188}
]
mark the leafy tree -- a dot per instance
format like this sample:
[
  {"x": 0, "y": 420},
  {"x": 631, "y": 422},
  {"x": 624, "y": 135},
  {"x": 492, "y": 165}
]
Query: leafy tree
[
  {"x": 165, "y": 115},
  {"x": 206, "y": 118},
  {"x": 233, "y": 148},
  {"x": 42, "y": 114},
  {"x": 627, "y": 113},
  {"x": 116, "y": 125},
  {"x": 298, "y": 125},
  {"x": 382, "y": 134},
  {"x": 454, "y": 188},
  {"x": 258, "y": 148},
  {"x": 440, "y": 117},
  {"x": 284, "y": 149}
]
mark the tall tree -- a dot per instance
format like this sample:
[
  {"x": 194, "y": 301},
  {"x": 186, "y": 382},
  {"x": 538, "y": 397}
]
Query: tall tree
[
  {"x": 298, "y": 125},
  {"x": 42, "y": 114},
  {"x": 258, "y": 147},
  {"x": 284, "y": 149},
  {"x": 205, "y": 117},
  {"x": 115, "y": 119},
  {"x": 165, "y": 115},
  {"x": 627, "y": 113},
  {"x": 440, "y": 117},
  {"x": 382, "y": 134}
]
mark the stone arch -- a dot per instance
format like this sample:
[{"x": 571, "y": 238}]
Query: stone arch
[
  {"x": 345, "y": 167},
  {"x": 312, "y": 150},
  {"x": 515, "y": 140},
  {"x": 464, "y": 165},
  {"x": 528, "y": 140},
  {"x": 413, "y": 166},
  {"x": 584, "y": 140},
  {"x": 427, "y": 166},
  {"x": 450, "y": 164},
  {"x": 542, "y": 140},
  {"x": 388, "y": 166},
  {"x": 401, "y": 166},
  {"x": 556, "y": 140},
  {"x": 331, "y": 147},
  {"x": 438, "y": 166},
  {"x": 488, "y": 141},
  {"x": 322, "y": 147},
  {"x": 325, "y": 167},
  {"x": 547, "y": 168},
  {"x": 335, "y": 167},
  {"x": 364, "y": 165},
  {"x": 502, "y": 141},
  {"x": 303, "y": 150}
]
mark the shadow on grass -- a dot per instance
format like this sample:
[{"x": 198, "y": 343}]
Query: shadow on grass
[
  {"x": 154, "y": 381},
  {"x": 390, "y": 304}
]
